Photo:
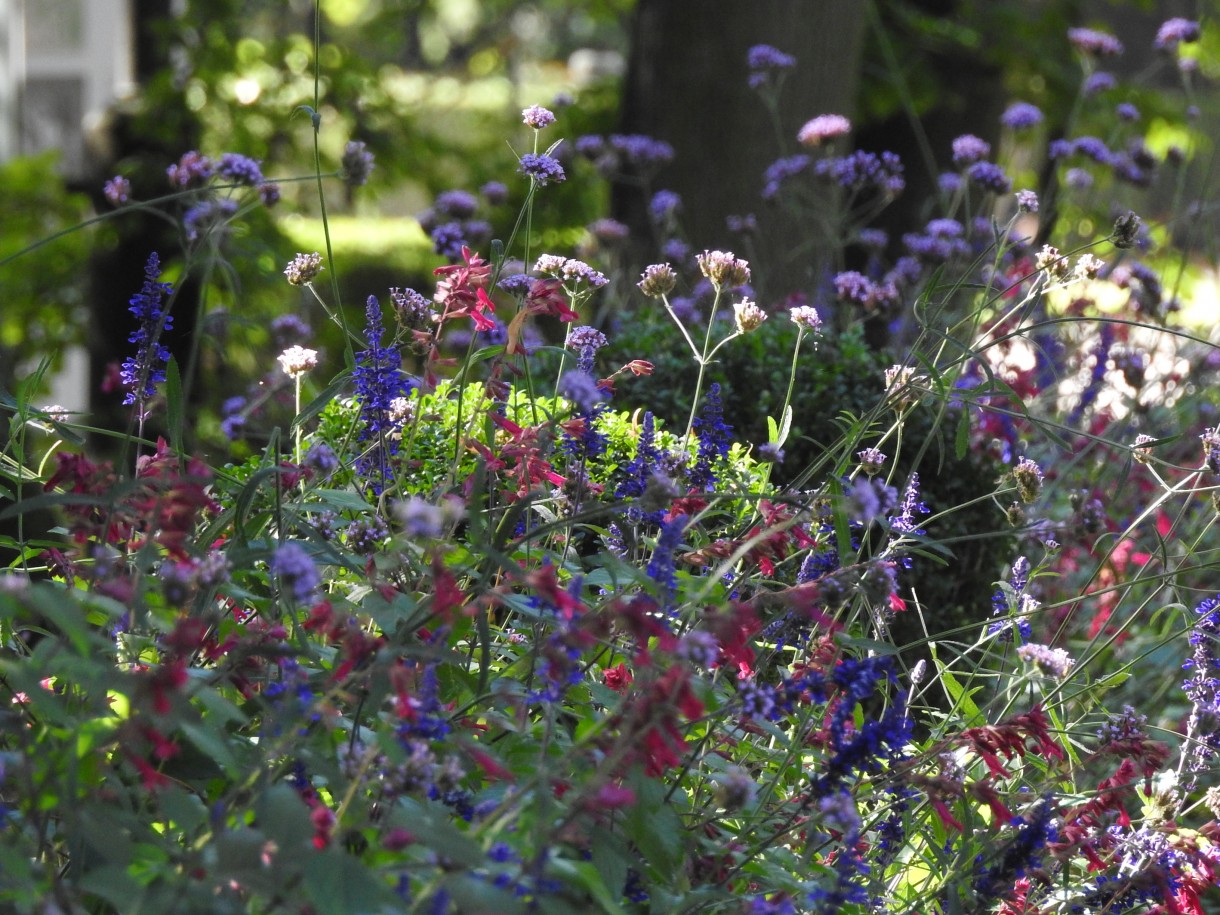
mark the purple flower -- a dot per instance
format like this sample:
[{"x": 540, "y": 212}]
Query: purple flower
[
  {"x": 664, "y": 205},
  {"x": 1174, "y": 32},
  {"x": 208, "y": 215},
  {"x": 494, "y": 192},
  {"x": 356, "y": 163},
  {"x": 767, "y": 63},
  {"x": 640, "y": 150},
  {"x": 822, "y": 128},
  {"x": 1021, "y": 116},
  {"x": 458, "y": 204},
  {"x": 117, "y": 190},
  {"x": 1098, "y": 82},
  {"x": 780, "y": 171},
  {"x": 580, "y": 389},
  {"x": 542, "y": 168},
  {"x": 1092, "y": 148},
  {"x": 321, "y": 459},
  {"x": 191, "y": 170},
  {"x": 142, "y": 372},
  {"x": 989, "y": 177},
  {"x": 378, "y": 382},
  {"x": 1027, "y": 201},
  {"x": 861, "y": 169},
  {"x": 1095, "y": 43},
  {"x": 949, "y": 183},
  {"x": 516, "y": 283},
  {"x": 448, "y": 239},
  {"x": 537, "y": 117},
  {"x": 1127, "y": 112},
  {"x": 714, "y": 438},
  {"x": 661, "y": 567},
  {"x": 269, "y": 193},
  {"x": 240, "y": 169},
  {"x": 608, "y": 231},
  {"x": 294, "y": 568},
  {"x": 968, "y": 149}
]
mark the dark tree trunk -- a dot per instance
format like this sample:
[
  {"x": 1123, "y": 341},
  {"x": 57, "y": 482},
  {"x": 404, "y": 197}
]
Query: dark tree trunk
[{"x": 687, "y": 84}]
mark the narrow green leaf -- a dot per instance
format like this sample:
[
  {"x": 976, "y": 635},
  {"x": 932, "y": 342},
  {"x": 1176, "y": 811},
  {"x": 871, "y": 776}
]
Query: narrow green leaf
[
  {"x": 174, "y": 407},
  {"x": 962, "y": 442}
]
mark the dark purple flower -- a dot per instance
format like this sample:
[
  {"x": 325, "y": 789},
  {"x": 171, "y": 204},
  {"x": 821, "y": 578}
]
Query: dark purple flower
[
  {"x": 378, "y": 382},
  {"x": 117, "y": 190},
  {"x": 191, "y": 170},
  {"x": 640, "y": 150},
  {"x": 1176, "y": 31},
  {"x": 269, "y": 193},
  {"x": 494, "y": 192},
  {"x": 780, "y": 171},
  {"x": 661, "y": 567},
  {"x": 664, "y": 205},
  {"x": 968, "y": 149},
  {"x": 448, "y": 239},
  {"x": 542, "y": 168},
  {"x": 989, "y": 177},
  {"x": 458, "y": 204},
  {"x": 240, "y": 169},
  {"x": 1092, "y": 148},
  {"x": 142, "y": 372},
  {"x": 1095, "y": 43},
  {"x": 861, "y": 170},
  {"x": 296, "y": 572},
  {"x": 715, "y": 436},
  {"x": 1021, "y": 116},
  {"x": 1127, "y": 112},
  {"x": 1098, "y": 82}
]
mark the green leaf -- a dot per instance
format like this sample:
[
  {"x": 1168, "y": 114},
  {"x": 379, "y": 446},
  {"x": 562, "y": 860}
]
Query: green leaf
[
  {"x": 339, "y": 884},
  {"x": 174, "y": 411},
  {"x": 962, "y": 442},
  {"x": 963, "y": 702}
]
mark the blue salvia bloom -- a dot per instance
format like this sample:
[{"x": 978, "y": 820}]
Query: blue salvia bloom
[
  {"x": 378, "y": 381},
  {"x": 906, "y": 522},
  {"x": 1034, "y": 830},
  {"x": 142, "y": 372},
  {"x": 661, "y": 567},
  {"x": 1014, "y": 607},
  {"x": 714, "y": 438},
  {"x": 643, "y": 465},
  {"x": 1203, "y": 687}
]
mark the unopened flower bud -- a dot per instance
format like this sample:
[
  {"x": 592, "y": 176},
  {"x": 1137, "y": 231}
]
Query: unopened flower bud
[
  {"x": 1015, "y": 515},
  {"x": 1126, "y": 231}
]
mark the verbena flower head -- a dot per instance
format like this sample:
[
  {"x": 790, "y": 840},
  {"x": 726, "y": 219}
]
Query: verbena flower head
[
  {"x": 494, "y": 192},
  {"x": 780, "y": 171},
  {"x": 1021, "y": 116},
  {"x": 295, "y": 569},
  {"x": 862, "y": 170},
  {"x": 1054, "y": 662},
  {"x": 1028, "y": 477},
  {"x": 823, "y": 128},
  {"x": 747, "y": 316},
  {"x": 1176, "y": 31},
  {"x": 537, "y": 117},
  {"x": 723, "y": 268},
  {"x": 192, "y": 170},
  {"x": 1095, "y": 43},
  {"x": 1125, "y": 111},
  {"x": 664, "y": 206},
  {"x": 117, "y": 190},
  {"x": 1098, "y": 82},
  {"x": 989, "y": 177},
  {"x": 1027, "y": 201},
  {"x": 356, "y": 163},
  {"x": 142, "y": 372},
  {"x": 872, "y": 460},
  {"x": 767, "y": 64},
  {"x": 806, "y": 317},
  {"x": 303, "y": 268},
  {"x": 968, "y": 149},
  {"x": 240, "y": 169},
  {"x": 541, "y": 168},
  {"x": 296, "y": 360}
]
